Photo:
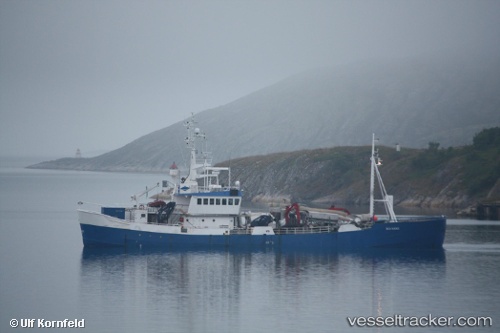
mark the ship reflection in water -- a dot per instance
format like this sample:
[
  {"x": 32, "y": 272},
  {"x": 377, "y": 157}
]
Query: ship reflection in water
[{"x": 255, "y": 291}]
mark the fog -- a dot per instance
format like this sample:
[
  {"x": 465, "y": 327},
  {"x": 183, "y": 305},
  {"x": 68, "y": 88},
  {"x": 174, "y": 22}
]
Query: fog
[{"x": 96, "y": 75}]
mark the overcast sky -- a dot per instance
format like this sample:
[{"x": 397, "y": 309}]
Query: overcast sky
[{"x": 96, "y": 75}]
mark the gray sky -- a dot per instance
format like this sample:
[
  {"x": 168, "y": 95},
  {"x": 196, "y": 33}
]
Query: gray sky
[{"x": 97, "y": 74}]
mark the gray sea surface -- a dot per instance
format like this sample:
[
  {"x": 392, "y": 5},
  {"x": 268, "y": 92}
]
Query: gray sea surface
[{"x": 47, "y": 275}]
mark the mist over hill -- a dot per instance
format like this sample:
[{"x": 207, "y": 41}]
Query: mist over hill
[{"x": 407, "y": 102}]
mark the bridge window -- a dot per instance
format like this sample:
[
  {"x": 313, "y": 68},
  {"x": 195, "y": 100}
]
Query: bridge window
[
  {"x": 236, "y": 202},
  {"x": 230, "y": 202},
  {"x": 199, "y": 201},
  {"x": 224, "y": 202},
  {"x": 205, "y": 201},
  {"x": 211, "y": 201},
  {"x": 217, "y": 201}
]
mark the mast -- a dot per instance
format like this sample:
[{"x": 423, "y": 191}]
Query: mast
[
  {"x": 386, "y": 199},
  {"x": 193, "y": 134},
  {"x": 372, "y": 176},
  {"x": 200, "y": 166}
]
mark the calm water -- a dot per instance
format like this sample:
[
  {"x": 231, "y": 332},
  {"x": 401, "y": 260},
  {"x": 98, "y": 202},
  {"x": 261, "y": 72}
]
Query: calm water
[{"x": 46, "y": 274}]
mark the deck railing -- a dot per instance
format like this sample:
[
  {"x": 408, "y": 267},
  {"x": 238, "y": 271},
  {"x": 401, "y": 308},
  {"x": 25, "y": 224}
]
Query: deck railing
[
  {"x": 312, "y": 230},
  {"x": 240, "y": 231},
  {"x": 288, "y": 231}
]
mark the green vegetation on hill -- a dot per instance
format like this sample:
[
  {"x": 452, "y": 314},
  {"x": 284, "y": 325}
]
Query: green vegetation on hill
[
  {"x": 482, "y": 162},
  {"x": 451, "y": 177},
  {"x": 479, "y": 163}
]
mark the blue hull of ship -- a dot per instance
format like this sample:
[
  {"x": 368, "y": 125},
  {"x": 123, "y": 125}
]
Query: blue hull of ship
[{"x": 426, "y": 233}]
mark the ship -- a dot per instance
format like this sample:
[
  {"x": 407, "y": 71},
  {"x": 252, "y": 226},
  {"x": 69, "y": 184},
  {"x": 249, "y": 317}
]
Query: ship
[{"x": 204, "y": 210}]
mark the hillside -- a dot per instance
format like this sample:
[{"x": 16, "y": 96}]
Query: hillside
[
  {"x": 405, "y": 102},
  {"x": 431, "y": 177}
]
